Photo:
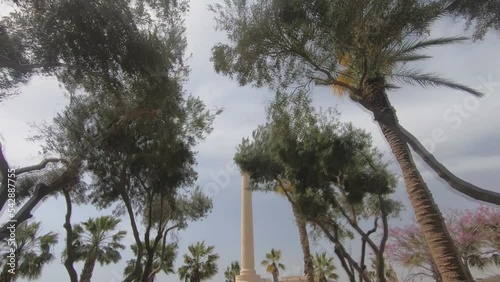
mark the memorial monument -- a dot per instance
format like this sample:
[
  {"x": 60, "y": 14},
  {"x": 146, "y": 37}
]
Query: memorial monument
[{"x": 247, "y": 273}]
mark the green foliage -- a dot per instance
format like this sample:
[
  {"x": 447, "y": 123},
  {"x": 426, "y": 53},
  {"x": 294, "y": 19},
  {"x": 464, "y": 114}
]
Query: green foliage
[
  {"x": 324, "y": 268},
  {"x": 200, "y": 264},
  {"x": 312, "y": 149},
  {"x": 96, "y": 239},
  {"x": 33, "y": 251},
  {"x": 90, "y": 44},
  {"x": 343, "y": 44},
  {"x": 232, "y": 271},
  {"x": 185, "y": 207},
  {"x": 482, "y": 14},
  {"x": 272, "y": 262},
  {"x": 168, "y": 259}
]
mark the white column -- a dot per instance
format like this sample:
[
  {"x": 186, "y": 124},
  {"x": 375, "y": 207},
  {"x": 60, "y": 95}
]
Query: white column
[{"x": 247, "y": 273}]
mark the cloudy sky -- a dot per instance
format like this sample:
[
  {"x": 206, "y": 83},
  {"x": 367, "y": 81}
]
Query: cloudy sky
[{"x": 470, "y": 146}]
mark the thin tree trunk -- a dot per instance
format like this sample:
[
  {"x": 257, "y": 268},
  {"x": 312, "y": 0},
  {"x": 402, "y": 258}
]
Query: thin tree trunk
[
  {"x": 68, "y": 262},
  {"x": 385, "y": 235},
  {"x": 88, "y": 267},
  {"x": 341, "y": 252},
  {"x": 344, "y": 265},
  {"x": 304, "y": 242},
  {"x": 138, "y": 265},
  {"x": 426, "y": 211}
]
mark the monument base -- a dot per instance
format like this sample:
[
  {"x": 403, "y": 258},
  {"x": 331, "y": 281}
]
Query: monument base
[{"x": 247, "y": 276}]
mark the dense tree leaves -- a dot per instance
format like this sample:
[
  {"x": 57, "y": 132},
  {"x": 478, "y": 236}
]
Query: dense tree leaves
[
  {"x": 96, "y": 42},
  {"x": 312, "y": 149},
  {"x": 484, "y": 15},
  {"x": 327, "y": 169}
]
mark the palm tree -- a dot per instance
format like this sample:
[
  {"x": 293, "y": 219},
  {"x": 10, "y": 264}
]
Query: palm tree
[
  {"x": 232, "y": 271},
  {"x": 166, "y": 263},
  {"x": 324, "y": 268},
  {"x": 285, "y": 188},
  {"x": 272, "y": 263},
  {"x": 390, "y": 273},
  {"x": 200, "y": 264},
  {"x": 93, "y": 241},
  {"x": 360, "y": 49},
  {"x": 33, "y": 251}
]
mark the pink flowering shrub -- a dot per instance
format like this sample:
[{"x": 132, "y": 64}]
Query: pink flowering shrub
[{"x": 476, "y": 234}]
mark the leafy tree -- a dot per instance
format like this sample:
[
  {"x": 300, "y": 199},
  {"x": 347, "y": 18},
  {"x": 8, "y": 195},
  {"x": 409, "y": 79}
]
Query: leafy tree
[
  {"x": 324, "y": 268},
  {"x": 475, "y": 233},
  {"x": 94, "y": 241},
  {"x": 482, "y": 14},
  {"x": 82, "y": 41},
  {"x": 200, "y": 264},
  {"x": 163, "y": 260},
  {"x": 139, "y": 57},
  {"x": 273, "y": 264},
  {"x": 361, "y": 49},
  {"x": 232, "y": 271},
  {"x": 328, "y": 171},
  {"x": 32, "y": 252}
]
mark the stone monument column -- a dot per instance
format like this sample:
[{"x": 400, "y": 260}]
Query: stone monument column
[{"x": 247, "y": 273}]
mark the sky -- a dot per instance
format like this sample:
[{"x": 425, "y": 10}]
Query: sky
[{"x": 461, "y": 131}]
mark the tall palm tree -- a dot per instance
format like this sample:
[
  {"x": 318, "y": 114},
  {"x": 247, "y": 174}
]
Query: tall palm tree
[
  {"x": 360, "y": 48},
  {"x": 168, "y": 260},
  {"x": 95, "y": 240},
  {"x": 33, "y": 251},
  {"x": 285, "y": 188},
  {"x": 324, "y": 268},
  {"x": 200, "y": 264},
  {"x": 272, "y": 264},
  {"x": 232, "y": 271}
]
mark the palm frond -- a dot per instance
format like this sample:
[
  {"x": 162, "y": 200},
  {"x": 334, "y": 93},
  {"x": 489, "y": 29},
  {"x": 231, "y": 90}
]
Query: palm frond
[
  {"x": 411, "y": 47},
  {"x": 411, "y": 58},
  {"x": 414, "y": 77}
]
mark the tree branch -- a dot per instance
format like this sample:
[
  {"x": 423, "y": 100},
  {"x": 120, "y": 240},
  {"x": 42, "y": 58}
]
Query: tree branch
[
  {"x": 6, "y": 62},
  {"x": 39, "y": 166},
  {"x": 64, "y": 180},
  {"x": 456, "y": 183}
]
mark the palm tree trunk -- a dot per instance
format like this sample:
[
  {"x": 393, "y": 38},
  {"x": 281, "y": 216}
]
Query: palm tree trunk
[
  {"x": 426, "y": 211},
  {"x": 304, "y": 242},
  {"x": 88, "y": 267},
  {"x": 275, "y": 276},
  {"x": 6, "y": 276}
]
